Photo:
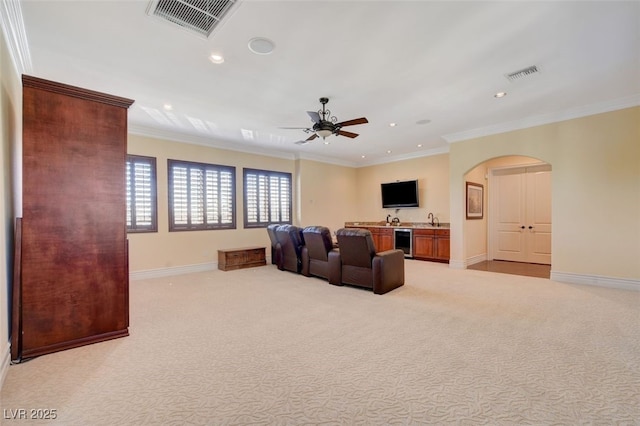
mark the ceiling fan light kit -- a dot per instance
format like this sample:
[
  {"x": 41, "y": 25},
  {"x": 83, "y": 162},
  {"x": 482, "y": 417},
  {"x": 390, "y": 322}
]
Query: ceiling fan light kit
[{"x": 324, "y": 124}]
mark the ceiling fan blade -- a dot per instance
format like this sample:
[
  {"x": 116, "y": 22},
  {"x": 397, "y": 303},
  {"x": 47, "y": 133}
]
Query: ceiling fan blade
[
  {"x": 297, "y": 128},
  {"x": 307, "y": 140},
  {"x": 353, "y": 122},
  {"x": 315, "y": 117},
  {"x": 347, "y": 134}
]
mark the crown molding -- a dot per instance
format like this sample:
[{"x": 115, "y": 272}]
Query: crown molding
[
  {"x": 204, "y": 141},
  {"x": 538, "y": 120},
  {"x": 15, "y": 35},
  {"x": 323, "y": 159},
  {"x": 410, "y": 156}
]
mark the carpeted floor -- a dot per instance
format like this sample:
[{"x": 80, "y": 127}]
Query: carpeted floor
[{"x": 261, "y": 346}]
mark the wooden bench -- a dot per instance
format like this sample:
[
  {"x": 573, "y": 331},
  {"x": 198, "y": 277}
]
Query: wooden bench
[{"x": 240, "y": 258}]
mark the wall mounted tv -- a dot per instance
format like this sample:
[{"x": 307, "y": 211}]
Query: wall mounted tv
[{"x": 400, "y": 194}]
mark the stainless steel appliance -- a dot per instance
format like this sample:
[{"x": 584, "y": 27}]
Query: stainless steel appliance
[{"x": 403, "y": 240}]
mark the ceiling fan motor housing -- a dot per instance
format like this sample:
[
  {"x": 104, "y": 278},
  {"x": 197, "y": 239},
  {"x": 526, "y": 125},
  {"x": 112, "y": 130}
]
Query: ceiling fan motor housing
[{"x": 323, "y": 127}]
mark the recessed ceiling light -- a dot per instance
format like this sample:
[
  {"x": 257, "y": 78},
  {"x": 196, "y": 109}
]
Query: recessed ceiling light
[
  {"x": 363, "y": 156},
  {"x": 419, "y": 145},
  {"x": 261, "y": 46},
  {"x": 389, "y": 151},
  {"x": 167, "y": 107},
  {"x": 392, "y": 124},
  {"x": 216, "y": 58},
  {"x": 500, "y": 95}
]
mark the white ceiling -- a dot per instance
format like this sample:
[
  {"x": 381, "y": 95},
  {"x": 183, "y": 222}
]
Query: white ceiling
[{"x": 389, "y": 61}]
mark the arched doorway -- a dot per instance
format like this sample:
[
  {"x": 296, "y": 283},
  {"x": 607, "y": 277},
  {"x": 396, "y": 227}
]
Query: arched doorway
[{"x": 513, "y": 233}]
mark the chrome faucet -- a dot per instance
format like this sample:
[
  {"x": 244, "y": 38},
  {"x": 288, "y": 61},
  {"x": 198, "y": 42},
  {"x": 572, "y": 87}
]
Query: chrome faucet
[{"x": 432, "y": 217}]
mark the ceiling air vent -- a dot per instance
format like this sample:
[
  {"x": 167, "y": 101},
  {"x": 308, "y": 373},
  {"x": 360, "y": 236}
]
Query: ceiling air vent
[
  {"x": 199, "y": 16},
  {"x": 517, "y": 75}
]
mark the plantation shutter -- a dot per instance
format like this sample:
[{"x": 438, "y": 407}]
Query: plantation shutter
[
  {"x": 140, "y": 194},
  {"x": 201, "y": 196},
  {"x": 267, "y": 197}
]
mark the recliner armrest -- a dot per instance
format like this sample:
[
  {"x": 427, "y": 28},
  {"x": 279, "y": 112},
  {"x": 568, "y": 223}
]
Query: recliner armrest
[
  {"x": 305, "y": 262},
  {"x": 388, "y": 271},
  {"x": 335, "y": 267}
]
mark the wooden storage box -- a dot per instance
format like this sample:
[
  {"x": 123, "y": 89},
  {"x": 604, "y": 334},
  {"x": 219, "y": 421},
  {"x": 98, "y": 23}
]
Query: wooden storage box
[{"x": 240, "y": 258}]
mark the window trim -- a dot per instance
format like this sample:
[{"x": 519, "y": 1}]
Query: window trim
[
  {"x": 135, "y": 229},
  {"x": 203, "y": 166},
  {"x": 268, "y": 173}
]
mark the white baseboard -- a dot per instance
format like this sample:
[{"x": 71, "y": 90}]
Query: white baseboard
[
  {"x": 173, "y": 270},
  {"x": 463, "y": 264},
  {"x": 597, "y": 280},
  {"x": 5, "y": 361},
  {"x": 177, "y": 270},
  {"x": 476, "y": 259}
]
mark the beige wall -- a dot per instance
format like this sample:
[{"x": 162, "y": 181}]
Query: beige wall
[
  {"x": 433, "y": 182},
  {"x": 324, "y": 194},
  {"x": 595, "y": 189},
  {"x": 10, "y": 137},
  {"x": 164, "y": 249},
  {"x": 327, "y": 194},
  {"x": 475, "y": 230}
]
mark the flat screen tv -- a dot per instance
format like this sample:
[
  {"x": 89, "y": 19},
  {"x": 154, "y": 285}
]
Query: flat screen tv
[{"x": 400, "y": 194}]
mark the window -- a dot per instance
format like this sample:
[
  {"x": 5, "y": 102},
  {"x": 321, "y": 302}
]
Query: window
[
  {"x": 201, "y": 196},
  {"x": 267, "y": 198},
  {"x": 141, "y": 194}
]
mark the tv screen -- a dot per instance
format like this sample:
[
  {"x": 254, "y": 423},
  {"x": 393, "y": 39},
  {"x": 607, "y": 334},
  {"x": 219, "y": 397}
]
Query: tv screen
[{"x": 400, "y": 194}]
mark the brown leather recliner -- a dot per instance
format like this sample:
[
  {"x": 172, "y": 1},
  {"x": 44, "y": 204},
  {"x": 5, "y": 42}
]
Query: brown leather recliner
[
  {"x": 275, "y": 246},
  {"x": 319, "y": 257},
  {"x": 291, "y": 242},
  {"x": 363, "y": 267}
]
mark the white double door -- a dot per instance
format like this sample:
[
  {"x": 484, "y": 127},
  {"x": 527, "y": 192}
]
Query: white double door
[{"x": 520, "y": 219}]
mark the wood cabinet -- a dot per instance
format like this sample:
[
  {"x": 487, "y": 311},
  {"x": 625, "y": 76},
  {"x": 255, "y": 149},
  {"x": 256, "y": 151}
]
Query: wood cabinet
[
  {"x": 382, "y": 238},
  {"x": 431, "y": 244},
  {"x": 74, "y": 279},
  {"x": 240, "y": 258}
]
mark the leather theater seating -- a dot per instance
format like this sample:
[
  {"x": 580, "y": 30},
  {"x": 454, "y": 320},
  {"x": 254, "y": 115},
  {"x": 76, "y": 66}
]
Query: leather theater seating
[
  {"x": 319, "y": 257},
  {"x": 290, "y": 240},
  {"x": 275, "y": 246},
  {"x": 363, "y": 267},
  {"x": 311, "y": 252}
]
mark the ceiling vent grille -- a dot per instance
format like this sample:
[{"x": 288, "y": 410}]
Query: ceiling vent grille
[
  {"x": 517, "y": 75},
  {"x": 199, "y": 16}
]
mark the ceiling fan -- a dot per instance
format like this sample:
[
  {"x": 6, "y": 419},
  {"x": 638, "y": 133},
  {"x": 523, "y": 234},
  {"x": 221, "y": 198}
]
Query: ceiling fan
[{"x": 324, "y": 124}]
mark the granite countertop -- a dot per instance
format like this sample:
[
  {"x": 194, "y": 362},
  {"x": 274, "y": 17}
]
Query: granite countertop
[{"x": 414, "y": 225}]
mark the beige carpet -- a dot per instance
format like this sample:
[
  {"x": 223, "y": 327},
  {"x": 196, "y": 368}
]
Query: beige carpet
[{"x": 261, "y": 346}]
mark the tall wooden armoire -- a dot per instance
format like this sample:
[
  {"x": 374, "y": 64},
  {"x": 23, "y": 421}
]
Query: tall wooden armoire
[{"x": 72, "y": 273}]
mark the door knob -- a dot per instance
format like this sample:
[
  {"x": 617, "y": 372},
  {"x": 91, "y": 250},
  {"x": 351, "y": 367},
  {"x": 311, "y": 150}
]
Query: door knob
[
  {"x": 530, "y": 227},
  {"x": 522, "y": 227}
]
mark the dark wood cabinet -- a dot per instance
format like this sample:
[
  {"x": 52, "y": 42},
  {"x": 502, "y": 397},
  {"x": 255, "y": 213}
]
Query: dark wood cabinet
[
  {"x": 74, "y": 278},
  {"x": 431, "y": 244}
]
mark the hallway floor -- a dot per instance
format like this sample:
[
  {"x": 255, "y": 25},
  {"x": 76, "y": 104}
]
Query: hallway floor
[{"x": 514, "y": 268}]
